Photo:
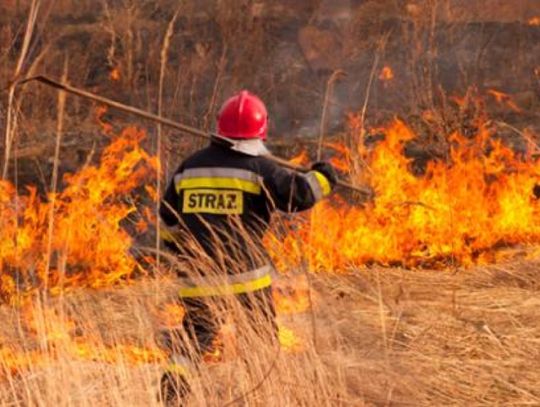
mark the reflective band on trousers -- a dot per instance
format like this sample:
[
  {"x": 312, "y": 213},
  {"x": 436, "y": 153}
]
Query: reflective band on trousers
[
  {"x": 319, "y": 184},
  {"x": 235, "y": 284},
  {"x": 179, "y": 365},
  {"x": 220, "y": 178}
]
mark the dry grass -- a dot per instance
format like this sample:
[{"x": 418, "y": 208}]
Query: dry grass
[{"x": 385, "y": 337}]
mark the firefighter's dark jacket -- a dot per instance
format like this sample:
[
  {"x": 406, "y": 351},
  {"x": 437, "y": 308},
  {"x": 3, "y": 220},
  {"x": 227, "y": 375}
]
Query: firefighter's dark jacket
[{"x": 225, "y": 199}]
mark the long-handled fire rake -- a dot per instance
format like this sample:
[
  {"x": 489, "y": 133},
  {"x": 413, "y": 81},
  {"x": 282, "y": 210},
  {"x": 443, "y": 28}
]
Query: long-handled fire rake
[{"x": 175, "y": 125}]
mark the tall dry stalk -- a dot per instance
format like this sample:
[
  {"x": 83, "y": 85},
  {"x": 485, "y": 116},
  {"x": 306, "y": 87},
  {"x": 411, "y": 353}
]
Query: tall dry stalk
[
  {"x": 209, "y": 116},
  {"x": 338, "y": 73},
  {"x": 359, "y": 163},
  {"x": 380, "y": 49},
  {"x": 164, "y": 57},
  {"x": 61, "y": 105},
  {"x": 11, "y": 117}
]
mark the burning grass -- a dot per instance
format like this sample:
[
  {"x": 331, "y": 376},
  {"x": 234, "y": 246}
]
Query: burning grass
[
  {"x": 459, "y": 208},
  {"x": 459, "y": 211},
  {"x": 354, "y": 335},
  {"x": 86, "y": 245}
]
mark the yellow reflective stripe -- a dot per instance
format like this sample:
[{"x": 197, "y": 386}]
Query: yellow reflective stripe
[
  {"x": 177, "y": 369},
  {"x": 226, "y": 289},
  {"x": 223, "y": 172},
  {"x": 220, "y": 183},
  {"x": 233, "y": 278},
  {"x": 323, "y": 182}
]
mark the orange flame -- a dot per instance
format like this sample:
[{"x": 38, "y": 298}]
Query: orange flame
[
  {"x": 301, "y": 159},
  {"x": 87, "y": 246},
  {"x": 342, "y": 160},
  {"x": 534, "y": 21},
  {"x": 107, "y": 128},
  {"x": 458, "y": 211},
  {"x": 504, "y": 99},
  {"x": 114, "y": 75},
  {"x": 291, "y": 295},
  {"x": 17, "y": 360},
  {"x": 387, "y": 74},
  {"x": 58, "y": 338}
]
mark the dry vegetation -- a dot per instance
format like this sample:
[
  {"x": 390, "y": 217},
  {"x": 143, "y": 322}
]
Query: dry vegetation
[
  {"x": 381, "y": 337},
  {"x": 374, "y": 335},
  {"x": 124, "y": 49}
]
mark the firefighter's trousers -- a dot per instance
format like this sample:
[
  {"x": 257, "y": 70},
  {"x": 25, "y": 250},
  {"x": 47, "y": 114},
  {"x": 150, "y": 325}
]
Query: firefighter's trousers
[
  {"x": 196, "y": 336},
  {"x": 200, "y": 324}
]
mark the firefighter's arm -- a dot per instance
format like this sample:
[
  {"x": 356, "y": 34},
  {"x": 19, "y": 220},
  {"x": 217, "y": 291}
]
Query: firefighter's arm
[{"x": 293, "y": 192}]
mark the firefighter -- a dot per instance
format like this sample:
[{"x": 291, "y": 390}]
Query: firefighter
[{"x": 223, "y": 200}]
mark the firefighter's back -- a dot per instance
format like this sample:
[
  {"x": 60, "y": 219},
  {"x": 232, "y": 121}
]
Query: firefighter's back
[{"x": 222, "y": 202}]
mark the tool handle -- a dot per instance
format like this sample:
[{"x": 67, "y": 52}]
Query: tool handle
[
  {"x": 170, "y": 123},
  {"x": 284, "y": 163}
]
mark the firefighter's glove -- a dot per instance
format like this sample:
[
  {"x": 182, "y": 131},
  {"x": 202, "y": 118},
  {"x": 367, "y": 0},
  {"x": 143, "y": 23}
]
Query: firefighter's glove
[{"x": 326, "y": 169}]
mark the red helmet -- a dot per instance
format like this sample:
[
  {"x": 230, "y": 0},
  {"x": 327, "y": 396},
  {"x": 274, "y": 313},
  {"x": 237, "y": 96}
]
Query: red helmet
[{"x": 243, "y": 116}]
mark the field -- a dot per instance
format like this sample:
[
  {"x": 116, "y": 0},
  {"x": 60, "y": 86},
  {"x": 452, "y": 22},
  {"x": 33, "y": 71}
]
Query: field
[{"x": 424, "y": 294}]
